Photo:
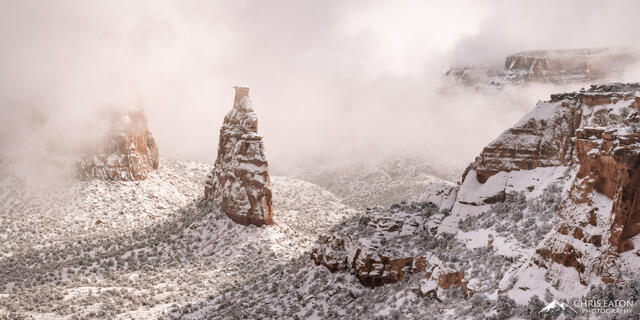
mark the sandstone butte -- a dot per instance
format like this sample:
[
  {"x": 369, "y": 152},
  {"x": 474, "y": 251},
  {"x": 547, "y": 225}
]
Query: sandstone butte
[
  {"x": 127, "y": 152},
  {"x": 240, "y": 182}
]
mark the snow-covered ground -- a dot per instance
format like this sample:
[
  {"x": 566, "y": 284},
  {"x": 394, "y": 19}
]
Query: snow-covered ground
[
  {"x": 139, "y": 249},
  {"x": 379, "y": 181},
  {"x": 153, "y": 249}
]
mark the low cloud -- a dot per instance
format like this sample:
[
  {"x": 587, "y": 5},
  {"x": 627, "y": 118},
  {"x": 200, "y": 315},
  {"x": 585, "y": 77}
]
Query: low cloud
[{"x": 330, "y": 80}]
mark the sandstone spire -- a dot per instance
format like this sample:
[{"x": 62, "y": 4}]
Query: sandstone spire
[
  {"x": 128, "y": 152},
  {"x": 240, "y": 178}
]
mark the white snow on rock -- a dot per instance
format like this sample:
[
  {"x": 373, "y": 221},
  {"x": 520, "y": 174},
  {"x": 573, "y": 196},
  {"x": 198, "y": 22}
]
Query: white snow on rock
[{"x": 476, "y": 193}]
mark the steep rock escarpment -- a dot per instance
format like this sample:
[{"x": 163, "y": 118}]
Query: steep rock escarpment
[
  {"x": 240, "y": 180},
  {"x": 567, "y": 65},
  {"x": 549, "y": 66},
  {"x": 541, "y": 139},
  {"x": 128, "y": 152},
  {"x": 595, "y": 135},
  {"x": 553, "y": 203},
  {"x": 599, "y": 218}
]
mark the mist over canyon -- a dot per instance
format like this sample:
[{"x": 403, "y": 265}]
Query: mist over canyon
[{"x": 319, "y": 160}]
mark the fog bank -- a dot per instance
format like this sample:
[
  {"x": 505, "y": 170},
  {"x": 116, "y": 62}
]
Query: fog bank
[{"x": 330, "y": 80}]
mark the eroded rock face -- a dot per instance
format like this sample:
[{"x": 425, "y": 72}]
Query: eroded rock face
[
  {"x": 439, "y": 279},
  {"x": 610, "y": 165},
  {"x": 595, "y": 133},
  {"x": 599, "y": 219},
  {"x": 129, "y": 151},
  {"x": 541, "y": 139},
  {"x": 240, "y": 178},
  {"x": 382, "y": 247},
  {"x": 557, "y": 195},
  {"x": 567, "y": 65},
  {"x": 555, "y": 66}
]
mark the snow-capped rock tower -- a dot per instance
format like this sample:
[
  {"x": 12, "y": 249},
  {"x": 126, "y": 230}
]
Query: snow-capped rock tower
[{"x": 240, "y": 180}]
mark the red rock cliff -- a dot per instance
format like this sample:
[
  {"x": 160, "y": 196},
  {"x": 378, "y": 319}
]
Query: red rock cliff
[
  {"x": 596, "y": 134},
  {"x": 567, "y": 65}
]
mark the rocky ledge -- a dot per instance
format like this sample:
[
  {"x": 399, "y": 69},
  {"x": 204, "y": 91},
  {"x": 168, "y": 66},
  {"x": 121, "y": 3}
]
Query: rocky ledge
[
  {"x": 595, "y": 134},
  {"x": 549, "y": 66}
]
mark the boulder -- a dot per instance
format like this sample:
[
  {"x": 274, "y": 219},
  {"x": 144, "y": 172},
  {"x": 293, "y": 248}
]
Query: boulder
[
  {"x": 381, "y": 247},
  {"x": 439, "y": 279}
]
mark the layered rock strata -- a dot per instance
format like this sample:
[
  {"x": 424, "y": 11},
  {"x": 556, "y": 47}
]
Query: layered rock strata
[
  {"x": 599, "y": 219},
  {"x": 595, "y": 133},
  {"x": 567, "y": 65},
  {"x": 549, "y": 66}
]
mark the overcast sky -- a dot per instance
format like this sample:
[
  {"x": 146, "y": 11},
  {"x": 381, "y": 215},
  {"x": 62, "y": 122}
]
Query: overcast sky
[{"x": 329, "y": 79}]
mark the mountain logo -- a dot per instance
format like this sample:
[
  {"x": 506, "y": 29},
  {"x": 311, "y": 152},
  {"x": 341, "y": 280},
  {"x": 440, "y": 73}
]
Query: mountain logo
[{"x": 555, "y": 305}]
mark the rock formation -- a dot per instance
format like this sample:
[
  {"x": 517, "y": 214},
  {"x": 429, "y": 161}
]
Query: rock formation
[
  {"x": 386, "y": 246},
  {"x": 567, "y": 65},
  {"x": 128, "y": 152},
  {"x": 383, "y": 246},
  {"x": 540, "y": 139},
  {"x": 554, "y": 200},
  {"x": 472, "y": 75},
  {"x": 599, "y": 219},
  {"x": 373, "y": 247},
  {"x": 595, "y": 135},
  {"x": 554, "y": 66},
  {"x": 439, "y": 279},
  {"x": 240, "y": 181}
]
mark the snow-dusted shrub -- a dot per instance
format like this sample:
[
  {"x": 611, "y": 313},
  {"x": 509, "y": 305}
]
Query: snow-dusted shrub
[
  {"x": 532, "y": 310},
  {"x": 479, "y": 304},
  {"x": 628, "y": 291},
  {"x": 505, "y": 308}
]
